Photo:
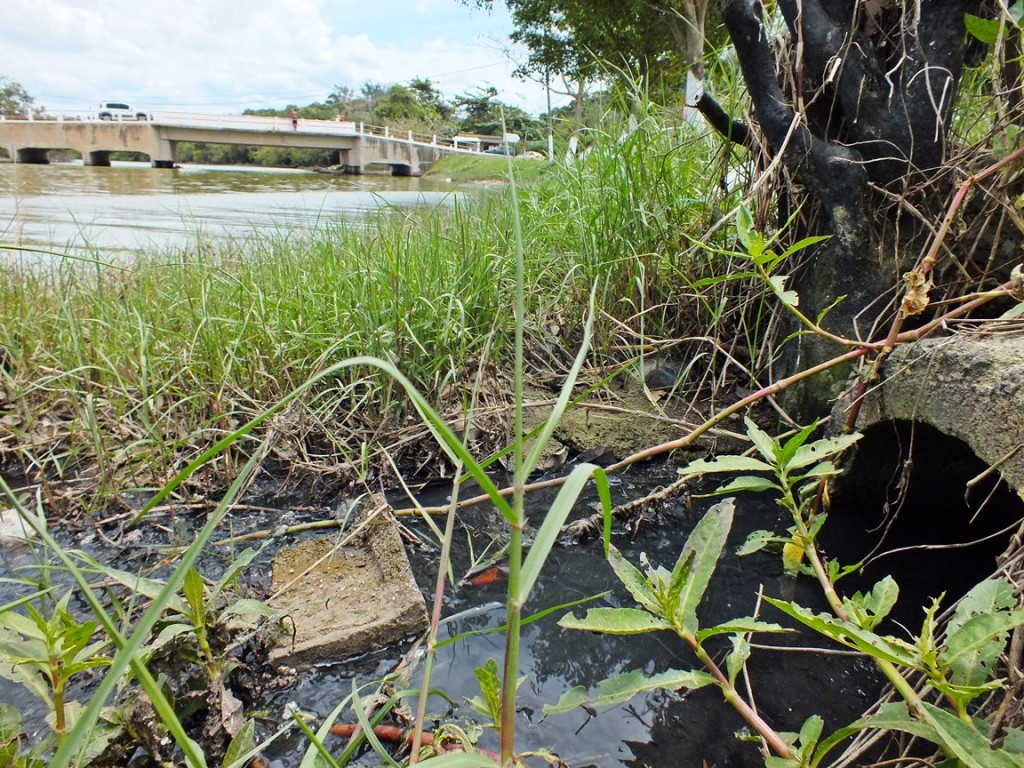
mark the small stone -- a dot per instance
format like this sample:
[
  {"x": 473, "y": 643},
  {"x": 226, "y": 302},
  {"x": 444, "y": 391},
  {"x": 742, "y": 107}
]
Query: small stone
[{"x": 14, "y": 530}]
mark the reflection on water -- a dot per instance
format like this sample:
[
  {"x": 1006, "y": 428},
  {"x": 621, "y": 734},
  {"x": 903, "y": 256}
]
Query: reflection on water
[{"x": 130, "y": 205}]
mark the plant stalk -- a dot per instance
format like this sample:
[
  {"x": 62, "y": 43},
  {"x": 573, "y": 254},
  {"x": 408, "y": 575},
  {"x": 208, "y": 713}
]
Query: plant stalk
[
  {"x": 515, "y": 601},
  {"x": 737, "y": 702}
]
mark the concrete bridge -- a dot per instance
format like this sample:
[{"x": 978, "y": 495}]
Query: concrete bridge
[{"x": 357, "y": 145}]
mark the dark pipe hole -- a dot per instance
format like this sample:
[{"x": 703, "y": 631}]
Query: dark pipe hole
[{"x": 906, "y": 488}]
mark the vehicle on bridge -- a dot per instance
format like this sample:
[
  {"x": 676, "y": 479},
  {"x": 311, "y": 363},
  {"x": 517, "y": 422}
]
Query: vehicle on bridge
[{"x": 118, "y": 110}]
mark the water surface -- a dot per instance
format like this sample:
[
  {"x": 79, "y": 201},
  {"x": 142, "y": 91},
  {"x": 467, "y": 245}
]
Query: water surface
[{"x": 132, "y": 206}]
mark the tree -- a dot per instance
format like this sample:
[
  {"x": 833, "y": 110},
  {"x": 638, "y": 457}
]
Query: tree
[
  {"x": 399, "y": 107},
  {"x": 14, "y": 99},
  {"x": 858, "y": 105},
  {"x": 481, "y": 112},
  {"x": 430, "y": 97},
  {"x": 371, "y": 92},
  {"x": 657, "y": 41}
]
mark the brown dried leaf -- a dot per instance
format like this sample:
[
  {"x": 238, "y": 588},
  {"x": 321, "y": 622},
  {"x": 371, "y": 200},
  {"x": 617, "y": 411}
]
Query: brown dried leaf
[{"x": 918, "y": 284}]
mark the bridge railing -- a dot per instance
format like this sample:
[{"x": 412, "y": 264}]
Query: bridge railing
[{"x": 264, "y": 123}]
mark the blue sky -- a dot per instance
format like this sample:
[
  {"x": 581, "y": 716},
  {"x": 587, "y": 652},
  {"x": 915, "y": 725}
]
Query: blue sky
[{"x": 225, "y": 55}]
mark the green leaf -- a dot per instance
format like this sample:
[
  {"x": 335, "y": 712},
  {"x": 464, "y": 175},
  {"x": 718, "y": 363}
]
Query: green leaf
[
  {"x": 890, "y": 649},
  {"x": 615, "y": 621},
  {"x": 757, "y": 541},
  {"x": 749, "y": 484},
  {"x": 726, "y": 464},
  {"x": 778, "y": 284},
  {"x": 963, "y": 741},
  {"x": 150, "y": 588},
  {"x": 891, "y": 716},
  {"x": 164, "y": 637},
  {"x": 810, "y": 733},
  {"x": 749, "y": 237},
  {"x": 870, "y": 609},
  {"x": 239, "y": 564},
  {"x": 245, "y": 613},
  {"x": 634, "y": 580},
  {"x": 987, "y": 596},
  {"x": 195, "y": 594},
  {"x": 243, "y": 742},
  {"x": 823, "y": 469},
  {"x": 985, "y": 30},
  {"x": 737, "y": 657},
  {"x": 550, "y": 529},
  {"x": 742, "y": 626},
  {"x": 614, "y": 690},
  {"x": 806, "y": 242},
  {"x": 677, "y": 580},
  {"x": 10, "y": 722},
  {"x": 820, "y": 450},
  {"x": 1015, "y": 311},
  {"x": 973, "y": 649},
  {"x": 763, "y": 442},
  {"x": 1014, "y": 741},
  {"x": 794, "y": 443},
  {"x": 706, "y": 542},
  {"x": 490, "y": 687}
]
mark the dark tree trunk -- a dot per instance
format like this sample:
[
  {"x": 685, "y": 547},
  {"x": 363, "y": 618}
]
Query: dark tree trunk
[{"x": 862, "y": 121}]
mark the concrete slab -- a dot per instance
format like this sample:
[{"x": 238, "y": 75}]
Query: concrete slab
[
  {"x": 969, "y": 385},
  {"x": 343, "y": 600}
]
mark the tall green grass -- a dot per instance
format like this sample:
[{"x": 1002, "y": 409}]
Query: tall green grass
[{"x": 134, "y": 369}]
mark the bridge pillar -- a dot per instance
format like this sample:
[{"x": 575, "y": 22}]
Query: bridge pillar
[
  {"x": 100, "y": 158},
  {"x": 32, "y": 155},
  {"x": 164, "y": 153}
]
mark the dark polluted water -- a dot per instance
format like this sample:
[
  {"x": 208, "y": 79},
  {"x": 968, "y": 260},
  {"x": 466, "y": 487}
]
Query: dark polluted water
[
  {"x": 656, "y": 729},
  {"x": 660, "y": 728}
]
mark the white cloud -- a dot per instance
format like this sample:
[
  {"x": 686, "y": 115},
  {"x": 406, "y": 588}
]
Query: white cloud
[{"x": 226, "y": 55}]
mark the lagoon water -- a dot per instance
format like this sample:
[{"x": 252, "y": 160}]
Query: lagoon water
[{"x": 130, "y": 206}]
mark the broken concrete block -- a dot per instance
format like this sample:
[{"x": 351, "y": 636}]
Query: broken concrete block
[{"x": 345, "y": 597}]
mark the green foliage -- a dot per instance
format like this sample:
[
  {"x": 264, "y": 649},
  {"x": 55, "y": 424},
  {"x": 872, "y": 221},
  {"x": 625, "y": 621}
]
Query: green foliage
[
  {"x": 480, "y": 111},
  {"x": 615, "y": 690},
  {"x": 11, "y": 736},
  {"x": 959, "y": 665},
  {"x": 577, "y": 39},
  {"x": 669, "y": 601},
  {"x": 45, "y": 649},
  {"x": 796, "y": 467},
  {"x": 976, "y": 632},
  {"x": 204, "y": 611},
  {"x": 14, "y": 99},
  {"x": 488, "y": 703},
  {"x": 989, "y": 30}
]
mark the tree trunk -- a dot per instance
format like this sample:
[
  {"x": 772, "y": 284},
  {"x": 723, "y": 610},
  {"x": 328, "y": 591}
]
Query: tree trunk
[{"x": 863, "y": 122}]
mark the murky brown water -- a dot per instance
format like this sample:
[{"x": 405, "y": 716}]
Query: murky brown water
[{"x": 130, "y": 205}]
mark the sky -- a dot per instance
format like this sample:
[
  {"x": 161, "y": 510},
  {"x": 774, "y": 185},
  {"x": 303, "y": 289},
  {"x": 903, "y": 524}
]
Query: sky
[{"x": 223, "y": 56}]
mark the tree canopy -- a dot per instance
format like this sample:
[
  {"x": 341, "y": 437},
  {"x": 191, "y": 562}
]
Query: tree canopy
[
  {"x": 14, "y": 99},
  {"x": 583, "y": 40}
]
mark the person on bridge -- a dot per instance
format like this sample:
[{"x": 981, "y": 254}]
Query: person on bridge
[{"x": 295, "y": 119}]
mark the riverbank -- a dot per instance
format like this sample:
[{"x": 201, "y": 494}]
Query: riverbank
[
  {"x": 463, "y": 169},
  {"x": 120, "y": 373}
]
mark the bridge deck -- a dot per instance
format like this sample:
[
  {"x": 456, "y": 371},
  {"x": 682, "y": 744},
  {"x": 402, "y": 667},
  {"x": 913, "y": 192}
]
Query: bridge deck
[{"x": 358, "y": 145}]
